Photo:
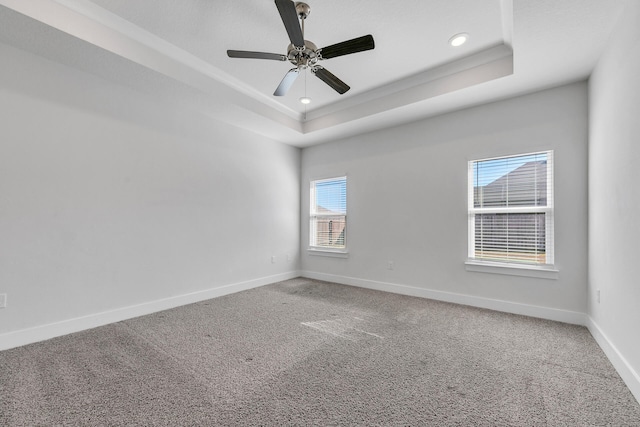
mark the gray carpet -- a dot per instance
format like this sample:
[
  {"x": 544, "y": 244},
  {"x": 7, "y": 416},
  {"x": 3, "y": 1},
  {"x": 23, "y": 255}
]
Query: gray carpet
[{"x": 304, "y": 352}]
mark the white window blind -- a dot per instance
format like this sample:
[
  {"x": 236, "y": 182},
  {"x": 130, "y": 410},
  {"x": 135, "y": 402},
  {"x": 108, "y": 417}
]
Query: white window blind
[
  {"x": 511, "y": 209},
  {"x": 328, "y": 213}
]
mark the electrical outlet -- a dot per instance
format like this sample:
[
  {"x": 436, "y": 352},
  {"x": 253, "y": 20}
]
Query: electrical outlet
[
  {"x": 3, "y": 300},
  {"x": 390, "y": 265},
  {"x": 273, "y": 259},
  {"x": 598, "y": 296}
]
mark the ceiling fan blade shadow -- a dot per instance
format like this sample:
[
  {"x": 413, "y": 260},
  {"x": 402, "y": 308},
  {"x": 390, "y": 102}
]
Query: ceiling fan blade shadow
[
  {"x": 287, "y": 10},
  {"x": 334, "y": 82},
  {"x": 255, "y": 55},
  {"x": 359, "y": 44},
  {"x": 287, "y": 82}
]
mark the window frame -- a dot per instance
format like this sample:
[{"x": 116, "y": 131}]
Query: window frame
[
  {"x": 518, "y": 268},
  {"x": 314, "y": 249}
]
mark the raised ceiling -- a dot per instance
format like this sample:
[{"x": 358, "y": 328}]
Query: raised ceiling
[{"x": 176, "y": 50}]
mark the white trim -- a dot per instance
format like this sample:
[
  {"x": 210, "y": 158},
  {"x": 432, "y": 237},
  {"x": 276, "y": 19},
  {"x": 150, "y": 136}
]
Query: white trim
[
  {"x": 328, "y": 253},
  {"x": 506, "y": 156},
  {"x": 100, "y": 27},
  {"x": 550, "y": 216},
  {"x": 516, "y": 209},
  {"x": 523, "y": 270},
  {"x": 471, "y": 228},
  {"x": 314, "y": 216},
  {"x": 630, "y": 377},
  {"x": 558, "y": 315},
  {"x": 51, "y": 330}
]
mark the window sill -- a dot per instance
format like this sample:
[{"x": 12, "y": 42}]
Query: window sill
[
  {"x": 328, "y": 253},
  {"x": 541, "y": 272}
]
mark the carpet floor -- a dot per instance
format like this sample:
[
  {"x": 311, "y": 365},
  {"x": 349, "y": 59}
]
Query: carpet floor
[{"x": 310, "y": 353}]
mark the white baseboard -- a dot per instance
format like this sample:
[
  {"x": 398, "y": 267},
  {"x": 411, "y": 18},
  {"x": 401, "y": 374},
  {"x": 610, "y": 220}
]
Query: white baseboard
[
  {"x": 492, "y": 304},
  {"x": 630, "y": 377},
  {"x": 624, "y": 369},
  {"x": 51, "y": 330}
]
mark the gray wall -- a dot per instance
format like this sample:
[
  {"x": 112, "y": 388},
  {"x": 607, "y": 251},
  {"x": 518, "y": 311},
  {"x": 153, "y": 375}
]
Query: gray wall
[
  {"x": 614, "y": 196},
  {"x": 109, "y": 201},
  {"x": 407, "y": 203}
]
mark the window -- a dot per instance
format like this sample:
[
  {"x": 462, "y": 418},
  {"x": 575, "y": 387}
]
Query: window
[
  {"x": 511, "y": 209},
  {"x": 328, "y": 214}
]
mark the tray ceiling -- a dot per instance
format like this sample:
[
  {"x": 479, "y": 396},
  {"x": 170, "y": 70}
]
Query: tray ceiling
[{"x": 177, "y": 51}]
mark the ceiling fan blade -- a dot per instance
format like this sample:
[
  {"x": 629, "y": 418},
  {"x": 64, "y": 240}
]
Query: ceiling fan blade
[
  {"x": 255, "y": 55},
  {"x": 327, "y": 77},
  {"x": 287, "y": 10},
  {"x": 347, "y": 47},
  {"x": 286, "y": 83}
]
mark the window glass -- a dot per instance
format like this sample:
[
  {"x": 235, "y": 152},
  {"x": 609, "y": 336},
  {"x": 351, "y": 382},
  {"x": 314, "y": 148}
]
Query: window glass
[
  {"x": 511, "y": 209},
  {"x": 328, "y": 219}
]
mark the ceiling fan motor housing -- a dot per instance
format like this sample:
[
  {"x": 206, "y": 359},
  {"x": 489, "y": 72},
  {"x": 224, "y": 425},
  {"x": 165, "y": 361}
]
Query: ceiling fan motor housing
[{"x": 303, "y": 57}]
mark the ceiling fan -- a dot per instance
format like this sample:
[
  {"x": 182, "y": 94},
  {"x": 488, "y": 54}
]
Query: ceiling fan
[{"x": 303, "y": 53}]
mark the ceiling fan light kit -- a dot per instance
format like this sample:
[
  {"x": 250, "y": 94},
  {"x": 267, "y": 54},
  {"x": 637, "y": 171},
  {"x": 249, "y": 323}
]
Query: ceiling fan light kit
[{"x": 303, "y": 53}]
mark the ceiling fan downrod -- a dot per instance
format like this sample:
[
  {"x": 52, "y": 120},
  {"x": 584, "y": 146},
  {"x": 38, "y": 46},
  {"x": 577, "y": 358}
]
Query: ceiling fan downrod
[{"x": 303, "y": 56}]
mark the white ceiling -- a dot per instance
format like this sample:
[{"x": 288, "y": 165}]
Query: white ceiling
[{"x": 176, "y": 51}]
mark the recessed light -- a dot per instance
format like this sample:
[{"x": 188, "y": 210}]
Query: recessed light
[
  {"x": 305, "y": 100},
  {"x": 458, "y": 39}
]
